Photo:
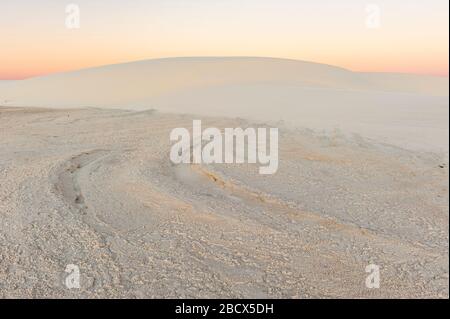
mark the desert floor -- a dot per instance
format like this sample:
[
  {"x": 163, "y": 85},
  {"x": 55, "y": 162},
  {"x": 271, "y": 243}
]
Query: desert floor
[{"x": 96, "y": 188}]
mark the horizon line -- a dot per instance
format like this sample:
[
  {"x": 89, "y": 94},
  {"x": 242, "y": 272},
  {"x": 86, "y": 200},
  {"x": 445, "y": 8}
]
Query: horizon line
[{"x": 63, "y": 71}]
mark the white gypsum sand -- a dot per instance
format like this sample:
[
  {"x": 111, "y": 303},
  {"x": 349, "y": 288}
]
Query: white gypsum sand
[
  {"x": 362, "y": 178},
  {"x": 409, "y": 111}
]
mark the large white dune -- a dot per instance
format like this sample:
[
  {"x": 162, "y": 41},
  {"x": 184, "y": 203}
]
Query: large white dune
[
  {"x": 96, "y": 188},
  {"x": 409, "y": 111}
]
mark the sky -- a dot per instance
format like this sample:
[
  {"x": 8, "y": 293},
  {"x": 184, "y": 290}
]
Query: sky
[{"x": 368, "y": 36}]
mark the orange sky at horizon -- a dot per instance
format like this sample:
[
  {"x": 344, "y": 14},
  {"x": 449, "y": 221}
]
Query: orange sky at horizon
[{"x": 411, "y": 38}]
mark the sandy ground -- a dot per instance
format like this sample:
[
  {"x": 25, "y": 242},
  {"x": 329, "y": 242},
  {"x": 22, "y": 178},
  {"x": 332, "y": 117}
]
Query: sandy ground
[{"x": 95, "y": 188}]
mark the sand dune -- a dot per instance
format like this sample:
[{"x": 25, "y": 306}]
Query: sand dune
[
  {"x": 86, "y": 180},
  {"x": 410, "y": 111}
]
